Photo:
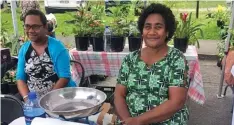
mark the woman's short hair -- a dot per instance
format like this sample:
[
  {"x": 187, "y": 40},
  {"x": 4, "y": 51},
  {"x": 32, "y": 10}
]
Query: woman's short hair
[
  {"x": 36, "y": 12},
  {"x": 165, "y": 12}
]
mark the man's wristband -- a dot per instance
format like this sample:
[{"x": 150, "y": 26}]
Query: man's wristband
[{"x": 26, "y": 96}]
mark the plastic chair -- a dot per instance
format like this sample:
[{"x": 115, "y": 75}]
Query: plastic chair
[
  {"x": 79, "y": 73},
  {"x": 12, "y": 108}
]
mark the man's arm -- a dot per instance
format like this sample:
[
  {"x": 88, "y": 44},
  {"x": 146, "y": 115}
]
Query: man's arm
[
  {"x": 121, "y": 107},
  {"x": 63, "y": 69},
  {"x": 21, "y": 75},
  {"x": 61, "y": 83},
  {"x": 23, "y": 89}
]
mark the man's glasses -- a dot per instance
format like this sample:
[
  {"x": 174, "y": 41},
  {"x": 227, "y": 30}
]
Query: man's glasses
[{"x": 34, "y": 27}]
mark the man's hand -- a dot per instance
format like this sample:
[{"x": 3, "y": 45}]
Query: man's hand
[{"x": 61, "y": 83}]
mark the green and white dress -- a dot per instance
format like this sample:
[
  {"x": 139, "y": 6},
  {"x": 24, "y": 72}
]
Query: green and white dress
[{"x": 148, "y": 87}]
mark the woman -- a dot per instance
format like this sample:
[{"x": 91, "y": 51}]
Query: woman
[
  {"x": 52, "y": 24},
  {"x": 228, "y": 76},
  {"x": 43, "y": 62},
  {"x": 152, "y": 82},
  {"x": 27, "y": 5}
]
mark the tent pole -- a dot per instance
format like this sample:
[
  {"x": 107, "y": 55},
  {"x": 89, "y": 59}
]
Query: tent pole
[
  {"x": 14, "y": 17},
  {"x": 227, "y": 41}
]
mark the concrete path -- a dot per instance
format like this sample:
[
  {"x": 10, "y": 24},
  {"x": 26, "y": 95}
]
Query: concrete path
[
  {"x": 208, "y": 47},
  {"x": 215, "y": 111}
]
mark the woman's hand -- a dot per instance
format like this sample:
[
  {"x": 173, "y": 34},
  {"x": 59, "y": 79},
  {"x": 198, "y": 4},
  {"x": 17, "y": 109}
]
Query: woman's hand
[{"x": 132, "y": 121}]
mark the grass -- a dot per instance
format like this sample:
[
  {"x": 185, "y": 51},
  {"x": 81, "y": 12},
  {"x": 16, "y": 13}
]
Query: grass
[
  {"x": 6, "y": 16},
  {"x": 210, "y": 29},
  {"x": 63, "y": 27},
  {"x": 191, "y": 4}
]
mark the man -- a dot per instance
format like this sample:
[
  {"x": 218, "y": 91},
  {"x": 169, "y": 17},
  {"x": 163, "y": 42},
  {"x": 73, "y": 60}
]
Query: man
[{"x": 43, "y": 62}]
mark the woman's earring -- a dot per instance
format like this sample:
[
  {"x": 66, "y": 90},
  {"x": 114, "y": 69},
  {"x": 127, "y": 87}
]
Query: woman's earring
[{"x": 167, "y": 37}]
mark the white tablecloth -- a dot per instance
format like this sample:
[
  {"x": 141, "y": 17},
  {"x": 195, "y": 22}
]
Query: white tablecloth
[{"x": 43, "y": 121}]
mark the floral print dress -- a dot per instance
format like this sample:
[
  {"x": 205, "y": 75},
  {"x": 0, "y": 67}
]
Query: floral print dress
[
  {"x": 27, "y": 5},
  {"x": 148, "y": 87}
]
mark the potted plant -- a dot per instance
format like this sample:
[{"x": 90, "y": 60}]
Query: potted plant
[
  {"x": 134, "y": 39},
  {"x": 12, "y": 83},
  {"x": 224, "y": 32},
  {"x": 118, "y": 26},
  {"x": 97, "y": 26},
  {"x": 81, "y": 29},
  {"x": 221, "y": 16},
  {"x": 4, "y": 88},
  {"x": 186, "y": 31},
  {"x": 98, "y": 41},
  {"x": 232, "y": 41},
  {"x": 138, "y": 7},
  {"x": 4, "y": 38},
  {"x": 8, "y": 85},
  {"x": 8, "y": 80}
]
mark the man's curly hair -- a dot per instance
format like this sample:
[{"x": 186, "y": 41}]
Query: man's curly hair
[{"x": 165, "y": 12}]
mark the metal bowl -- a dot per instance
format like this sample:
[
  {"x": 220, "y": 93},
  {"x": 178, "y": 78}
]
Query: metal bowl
[{"x": 72, "y": 102}]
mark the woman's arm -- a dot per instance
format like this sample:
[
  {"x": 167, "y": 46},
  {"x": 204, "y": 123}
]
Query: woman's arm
[
  {"x": 121, "y": 107},
  {"x": 177, "y": 98}
]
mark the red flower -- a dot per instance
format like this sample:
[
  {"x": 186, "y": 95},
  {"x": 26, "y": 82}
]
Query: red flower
[
  {"x": 184, "y": 16},
  {"x": 12, "y": 73}
]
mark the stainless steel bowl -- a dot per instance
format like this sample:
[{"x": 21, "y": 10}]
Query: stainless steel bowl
[{"x": 72, "y": 102}]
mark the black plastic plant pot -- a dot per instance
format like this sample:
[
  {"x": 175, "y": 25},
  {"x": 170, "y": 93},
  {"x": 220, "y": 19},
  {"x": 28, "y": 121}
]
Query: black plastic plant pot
[
  {"x": 82, "y": 43},
  {"x": 181, "y": 44}
]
